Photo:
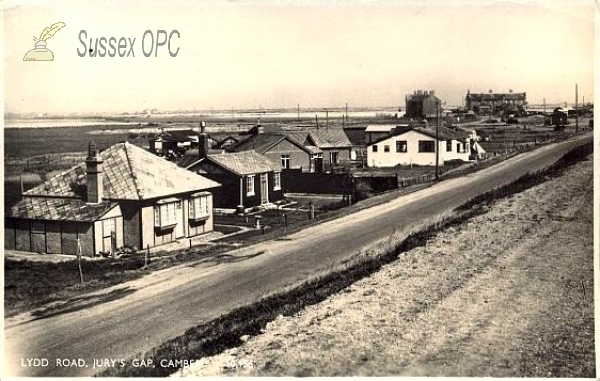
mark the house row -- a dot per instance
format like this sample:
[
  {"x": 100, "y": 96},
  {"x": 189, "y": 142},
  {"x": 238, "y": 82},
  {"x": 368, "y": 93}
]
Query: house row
[
  {"x": 311, "y": 151},
  {"x": 487, "y": 103}
]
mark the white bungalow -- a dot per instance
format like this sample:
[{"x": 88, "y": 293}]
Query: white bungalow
[{"x": 417, "y": 146}]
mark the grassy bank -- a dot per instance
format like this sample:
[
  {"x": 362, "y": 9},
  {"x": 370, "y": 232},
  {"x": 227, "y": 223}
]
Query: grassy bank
[{"x": 228, "y": 331}]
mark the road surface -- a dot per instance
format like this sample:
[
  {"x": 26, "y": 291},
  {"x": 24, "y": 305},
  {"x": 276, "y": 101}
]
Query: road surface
[{"x": 125, "y": 320}]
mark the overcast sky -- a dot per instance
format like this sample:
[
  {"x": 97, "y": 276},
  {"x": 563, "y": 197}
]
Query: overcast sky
[{"x": 248, "y": 54}]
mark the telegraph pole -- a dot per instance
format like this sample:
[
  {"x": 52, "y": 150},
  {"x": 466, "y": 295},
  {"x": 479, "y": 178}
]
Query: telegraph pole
[
  {"x": 576, "y": 112},
  {"x": 437, "y": 140}
]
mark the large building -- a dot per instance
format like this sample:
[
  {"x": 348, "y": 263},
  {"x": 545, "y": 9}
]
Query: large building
[
  {"x": 423, "y": 105},
  {"x": 494, "y": 102}
]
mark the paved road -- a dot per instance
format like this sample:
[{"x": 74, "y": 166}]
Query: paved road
[{"x": 132, "y": 318}]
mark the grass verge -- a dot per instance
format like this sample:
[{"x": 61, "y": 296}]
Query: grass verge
[{"x": 225, "y": 332}]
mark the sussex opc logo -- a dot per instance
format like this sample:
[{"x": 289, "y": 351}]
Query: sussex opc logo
[{"x": 41, "y": 52}]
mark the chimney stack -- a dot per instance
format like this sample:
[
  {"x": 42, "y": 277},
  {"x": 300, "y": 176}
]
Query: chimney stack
[
  {"x": 202, "y": 141},
  {"x": 93, "y": 164},
  {"x": 260, "y": 129},
  {"x": 490, "y": 91}
]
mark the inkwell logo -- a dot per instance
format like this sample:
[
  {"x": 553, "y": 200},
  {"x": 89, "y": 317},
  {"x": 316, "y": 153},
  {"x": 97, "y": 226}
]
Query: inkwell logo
[{"x": 40, "y": 53}]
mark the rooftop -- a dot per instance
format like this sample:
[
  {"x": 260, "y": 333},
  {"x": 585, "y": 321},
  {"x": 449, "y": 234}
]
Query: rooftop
[
  {"x": 334, "y": 138},
  {"x": 130, "y": 173},
  {"x": 244, "y": 163}
]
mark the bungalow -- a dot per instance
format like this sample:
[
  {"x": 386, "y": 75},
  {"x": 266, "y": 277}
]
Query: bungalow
[
  {"x": 334, "y": 144},
  {"x": 173, "y": 141},
  {"x": 281, "y": 148},
  {"x": 417, "y": 145},
  {"x": 248, "y": 178},
  {"x": 375, "y": 132},
  {"x": 123, "y": 196},
  {"x": 559, "y": 117}
]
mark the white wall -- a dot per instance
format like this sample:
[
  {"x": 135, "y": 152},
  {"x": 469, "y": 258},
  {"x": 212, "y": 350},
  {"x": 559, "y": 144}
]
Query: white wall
[{"x": 412, "y": 156}]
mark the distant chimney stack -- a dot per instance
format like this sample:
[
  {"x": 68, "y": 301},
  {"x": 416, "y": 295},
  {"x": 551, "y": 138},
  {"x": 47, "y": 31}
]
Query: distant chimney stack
[
  {"x": 490, "y": 91},
  {"x": 510, "y": 91},
  {"x": 431, "y": 92},
  {"x": 203, "y": 141},
  {"x": 93, "y": 164}
]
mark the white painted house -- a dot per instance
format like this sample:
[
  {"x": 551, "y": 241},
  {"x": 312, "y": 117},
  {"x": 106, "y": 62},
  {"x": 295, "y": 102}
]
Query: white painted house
[{"x": 416, "y": 146}]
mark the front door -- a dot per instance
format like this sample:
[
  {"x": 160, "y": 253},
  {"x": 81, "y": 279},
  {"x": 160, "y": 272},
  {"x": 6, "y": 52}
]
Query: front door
[
  {"x": 179, "y": 219},
  {"x": 318, "y": 164},
  {"x": 264, "y": 188}
]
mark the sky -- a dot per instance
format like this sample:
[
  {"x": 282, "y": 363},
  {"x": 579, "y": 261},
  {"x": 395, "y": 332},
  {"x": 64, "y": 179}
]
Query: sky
[{"x": 266, "y": 54}]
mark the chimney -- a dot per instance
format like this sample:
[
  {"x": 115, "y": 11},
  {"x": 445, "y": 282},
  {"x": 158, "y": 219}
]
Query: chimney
[
  {"x": 510, "y": 91},
  {"x": 260, "y": 129},
  {"x": 431, "y": 92},
  {"x": 203, "y": 141},
  {"x": 93, "y": 165},
  {"x": 490, "y": 91}
]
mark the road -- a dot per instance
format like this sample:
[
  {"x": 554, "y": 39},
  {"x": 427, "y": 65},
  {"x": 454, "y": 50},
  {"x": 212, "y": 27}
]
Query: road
[{"x": 128, "y": 319}]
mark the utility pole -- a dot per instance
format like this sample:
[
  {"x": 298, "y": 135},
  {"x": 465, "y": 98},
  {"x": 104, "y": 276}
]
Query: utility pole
[
  {"x": 317, "y": 121},
  {"x": 437, "y": 140},
  {"x": 298, "y": 112},
  {"x": 576, "y": 112},
  {"x": 326, "y": 118},
  {"x": 346, "y": 110},
  {"x": 544, "y": 106}
]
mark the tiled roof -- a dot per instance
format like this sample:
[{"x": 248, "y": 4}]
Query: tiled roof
[
  {"x": 130, "y": 173},
  {"x": 178, "y": 135},
  {"x": 243, "y": 163},
  {"x": 298, "y": 136},
  {"x": 496, "y": 96},
  {"x": 330, "y": 138},
  {"x": 261, "y": 143},
  {"x": 445, "y": 133},
  {"x": 380, "y": 127},
  {"x": 58, "y": 209}
]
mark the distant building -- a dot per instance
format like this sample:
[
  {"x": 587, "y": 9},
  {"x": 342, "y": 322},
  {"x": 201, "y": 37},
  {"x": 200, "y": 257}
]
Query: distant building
[
  {"x": 273, "y": 142},
  {"x": 494, "y": 102},
  {"x": 559, "y": 117},
  {"x": 375, "y": 132},
  {"x": 173, "y": 142},
  {"x": 423, "y": 105}
]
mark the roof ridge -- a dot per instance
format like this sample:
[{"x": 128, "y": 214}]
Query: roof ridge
[{"x": 133, "y": 175}]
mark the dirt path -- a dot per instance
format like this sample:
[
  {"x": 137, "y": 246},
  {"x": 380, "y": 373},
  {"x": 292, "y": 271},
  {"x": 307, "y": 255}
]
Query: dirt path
[{"x": 507, "y": 294}]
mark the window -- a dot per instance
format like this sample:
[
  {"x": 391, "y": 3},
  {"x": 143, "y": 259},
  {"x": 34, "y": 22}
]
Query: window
[
  {"x": 199, "y": 206},
  {"x": 374, "y": 147},
  {"x": 449, "y": 146},
  {"x": 277, "y": 181},
  {"x": 334, "y": 157},
  {"x": 386, "y": 148},
  {"x": 285, "y": 161},
  {"x": 165, "y": 213},
  {"x": 108, "y": 226},
  {"x": 426, "y": 146},
  {"x": 401, "y": 146},
  {"x": 458, "y": 147},
  {"x": 250, "y": 185}
]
